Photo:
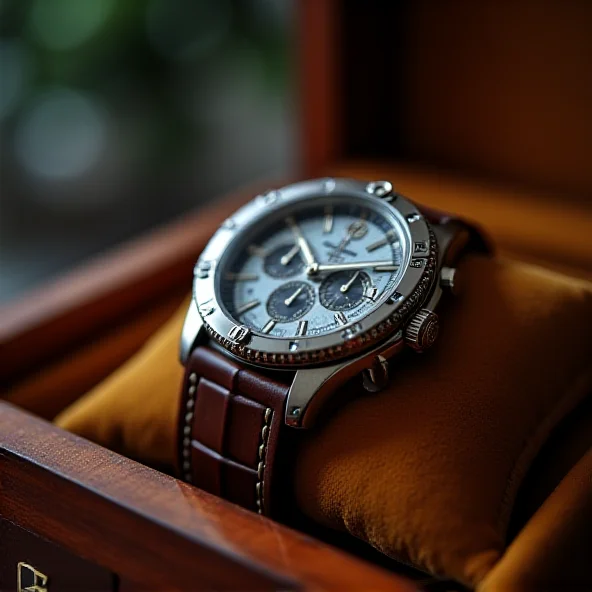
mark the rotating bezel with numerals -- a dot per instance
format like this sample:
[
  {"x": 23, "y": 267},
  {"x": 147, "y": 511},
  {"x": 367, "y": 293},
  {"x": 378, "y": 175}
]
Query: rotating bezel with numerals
[{"x": 410, "y": 287}]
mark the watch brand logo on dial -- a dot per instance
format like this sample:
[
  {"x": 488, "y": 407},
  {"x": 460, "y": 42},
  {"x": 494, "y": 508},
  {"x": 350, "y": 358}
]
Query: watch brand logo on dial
[{"x": 334, "y": 252}]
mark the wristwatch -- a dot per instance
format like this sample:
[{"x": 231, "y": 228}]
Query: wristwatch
[{"x": 302, "y": 290}]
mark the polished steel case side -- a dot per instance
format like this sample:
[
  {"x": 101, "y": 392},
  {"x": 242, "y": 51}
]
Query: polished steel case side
[
  {"x": 416, "y": 279},
  {"x": 193, "y": 331}
]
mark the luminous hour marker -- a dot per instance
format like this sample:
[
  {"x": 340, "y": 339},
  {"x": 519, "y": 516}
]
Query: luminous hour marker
[
  {"x": 386, "y": 268},
  {"x": 328, "y": 220},
  {"x": 377, "y": 245},
  {"x": 246, "y": 307},
  {"x": 371, "y": 292},
  {"x": 257, "y": 251},
  {"x": 302, "y": 328},
  {"x": 268, "y": 326},
  {"x": 390, "y": 237},
  {"x": 341, "y": 318},
  {"x": 242, "y": 277}
]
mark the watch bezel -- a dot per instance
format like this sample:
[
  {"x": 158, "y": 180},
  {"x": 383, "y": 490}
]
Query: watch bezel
[{"x": 255, "y": 348}]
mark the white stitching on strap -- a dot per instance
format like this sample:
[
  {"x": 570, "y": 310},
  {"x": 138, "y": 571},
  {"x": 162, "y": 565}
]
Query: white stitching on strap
[
  {"x": 189, "y": 406},
  {"x": 268, "y": 418}
]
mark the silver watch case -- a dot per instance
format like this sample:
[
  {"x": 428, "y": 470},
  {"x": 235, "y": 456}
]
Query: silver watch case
[{"x": 419, "y": 265}]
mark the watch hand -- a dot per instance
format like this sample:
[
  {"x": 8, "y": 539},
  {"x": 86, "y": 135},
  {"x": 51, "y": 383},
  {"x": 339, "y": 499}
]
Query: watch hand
[
  {"x": 384, "y": 265},
  {"x": 285, "y": 259},
  {"x": 347, "y": 285},
  {"x": 290, "y": 299},
  {"x": 304, "y": 246}
]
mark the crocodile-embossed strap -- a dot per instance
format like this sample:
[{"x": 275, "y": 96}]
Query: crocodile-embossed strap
[{"x": 229, "y": 425}]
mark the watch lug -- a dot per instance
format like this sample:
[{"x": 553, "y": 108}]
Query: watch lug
[
  {"x": 311, "y": 386},
  {"x": 193, "y": 331},
  {"x": 308, "y": 384}
]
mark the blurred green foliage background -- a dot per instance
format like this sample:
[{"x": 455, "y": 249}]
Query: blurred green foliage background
[{"x": 117, "y": 115}]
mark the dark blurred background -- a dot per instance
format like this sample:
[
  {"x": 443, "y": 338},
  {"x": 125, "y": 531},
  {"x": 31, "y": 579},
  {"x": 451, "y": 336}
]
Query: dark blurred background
[{"x": 119, "y": 115}]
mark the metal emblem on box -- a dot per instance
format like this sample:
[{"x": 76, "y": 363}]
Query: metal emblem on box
[{"x": 30, "y": 579}]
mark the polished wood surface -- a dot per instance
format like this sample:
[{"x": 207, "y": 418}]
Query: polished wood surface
[
  {"x": 153, "y": 530},
  {"x": 488, "y": 89},
  {"x": 66, "y": 571},
  {"x": 319, "y": 80}
]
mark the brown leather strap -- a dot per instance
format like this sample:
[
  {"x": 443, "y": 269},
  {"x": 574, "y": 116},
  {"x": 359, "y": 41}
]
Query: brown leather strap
[
  {"x": 478, "y": 239},
  {"x": 230, "y": 421}
]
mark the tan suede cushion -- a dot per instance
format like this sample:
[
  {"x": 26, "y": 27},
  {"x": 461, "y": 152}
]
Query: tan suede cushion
[{"x": 427, "y": 470}]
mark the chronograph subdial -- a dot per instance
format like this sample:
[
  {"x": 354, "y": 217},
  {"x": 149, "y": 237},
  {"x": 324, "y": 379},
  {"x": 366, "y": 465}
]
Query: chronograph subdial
[
  {"x": 284, "y": 261},
  {"x": 290, "y": 302},
  {"x": 344, "y": 290}
]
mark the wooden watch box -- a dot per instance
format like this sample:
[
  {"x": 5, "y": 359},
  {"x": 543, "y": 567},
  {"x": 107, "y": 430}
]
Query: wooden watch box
[{"x": 476, "y": 108}]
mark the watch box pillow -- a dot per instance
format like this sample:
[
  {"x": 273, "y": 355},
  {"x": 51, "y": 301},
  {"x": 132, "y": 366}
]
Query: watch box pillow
[{"x": 428, "y": 470}]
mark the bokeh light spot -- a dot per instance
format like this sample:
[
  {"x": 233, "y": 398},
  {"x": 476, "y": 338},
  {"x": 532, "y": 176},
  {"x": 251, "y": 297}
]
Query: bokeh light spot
[
  {"x": 62, "y": 135},
  {"x": 15, "y": 69},
  {"x": 66, "y": 24}
]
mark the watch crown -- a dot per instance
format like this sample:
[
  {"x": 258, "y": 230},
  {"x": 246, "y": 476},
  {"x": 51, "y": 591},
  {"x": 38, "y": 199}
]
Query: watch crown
[{"x": 422, "y": 330}]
